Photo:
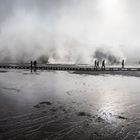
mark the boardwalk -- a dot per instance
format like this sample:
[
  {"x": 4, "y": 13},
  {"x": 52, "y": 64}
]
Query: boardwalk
[{"x": 65, "y": 67}]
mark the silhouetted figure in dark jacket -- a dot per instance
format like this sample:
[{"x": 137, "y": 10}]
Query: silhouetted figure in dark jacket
[
  {"x": 103, "y": 64},
  {"x": 31, "y": 65},
  {"x": 98, "y": 64},
  {"x": 95, "y": 64},
  {"x": 123, "y": 63},
  {"x": 35, "y": 66}
]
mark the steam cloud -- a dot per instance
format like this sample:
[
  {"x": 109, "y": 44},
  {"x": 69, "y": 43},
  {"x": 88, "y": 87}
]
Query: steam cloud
[
  {"x": 111, "y": 55},
  {"x": 27, "y": 35}
]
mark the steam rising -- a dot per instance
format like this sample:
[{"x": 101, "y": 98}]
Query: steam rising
[
  {"x": 30, "y": 35},
  {"x": 111, "y": 55}
]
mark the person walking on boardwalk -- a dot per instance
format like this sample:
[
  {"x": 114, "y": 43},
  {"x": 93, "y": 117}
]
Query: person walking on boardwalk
[
  {"x": 103, "y": 64},
  {"x": 95, "y": 64},
  {"x": 123, "y": 63},
  {"x": 31, "y": 65},
  {"x": 98, "y": 64},
  {"x": 35, "y": 65}
]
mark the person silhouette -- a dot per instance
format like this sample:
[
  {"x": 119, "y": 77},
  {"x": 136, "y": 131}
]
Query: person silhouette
[
  {"x": 103, "y": 64},
  {"x": 31, "y": 65},
  {"x": 98, "y": 64},
  {"x": 35, "y": 65},
  {"x": 123, "y": 63},
  {"x": 95, "y": 64}
]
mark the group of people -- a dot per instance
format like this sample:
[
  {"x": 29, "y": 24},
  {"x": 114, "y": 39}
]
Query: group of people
[
  {"x": 33, "y": 65},
  {"x": 97, "y": 64}
]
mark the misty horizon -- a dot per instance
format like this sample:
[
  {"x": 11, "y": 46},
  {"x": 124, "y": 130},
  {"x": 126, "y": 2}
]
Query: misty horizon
[{"x": 62, "y": 31}]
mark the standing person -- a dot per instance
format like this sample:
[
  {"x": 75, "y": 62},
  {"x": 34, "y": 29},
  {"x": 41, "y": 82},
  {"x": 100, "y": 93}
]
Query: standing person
[
  {"x": 31, "y": 65},
  {"x": 98, "y": 64},
  {"x": 95, "y": 64},
  {"x": 123, "y": 63},
  {"x": 103, "y": 64},
  {"x": 35, "y": 66}
]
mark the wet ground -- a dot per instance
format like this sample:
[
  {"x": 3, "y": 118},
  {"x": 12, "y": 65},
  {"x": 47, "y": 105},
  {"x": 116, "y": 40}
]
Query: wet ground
[{"x": 59, "y": 105}]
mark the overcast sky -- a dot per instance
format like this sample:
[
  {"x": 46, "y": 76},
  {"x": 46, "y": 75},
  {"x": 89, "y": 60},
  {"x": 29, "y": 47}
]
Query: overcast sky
[{"x": 98, "y": 22}]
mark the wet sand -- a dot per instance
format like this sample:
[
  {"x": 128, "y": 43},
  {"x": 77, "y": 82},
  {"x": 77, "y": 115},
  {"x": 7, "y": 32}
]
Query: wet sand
[{"x": 69, "y": 106}]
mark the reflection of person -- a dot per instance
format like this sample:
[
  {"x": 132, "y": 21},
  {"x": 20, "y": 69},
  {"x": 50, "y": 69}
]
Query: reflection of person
[
  {"x": 123, "y": 63},
  {"x": 103, "y": 64},
  {"x": 35, "y": 65},
  {"x": 31, "y": 65}
]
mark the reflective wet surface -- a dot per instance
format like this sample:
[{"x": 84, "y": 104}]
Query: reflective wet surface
[{"x": 65, "y": 105}]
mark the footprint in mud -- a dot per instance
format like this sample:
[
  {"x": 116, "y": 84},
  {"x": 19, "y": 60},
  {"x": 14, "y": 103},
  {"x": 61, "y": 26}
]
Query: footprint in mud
[
  {"x": 42, "y": 104},
  {"x": 83, "y": 114},
  {"x": 45, "y": 103},
  {"x": 121, "y": 117}
]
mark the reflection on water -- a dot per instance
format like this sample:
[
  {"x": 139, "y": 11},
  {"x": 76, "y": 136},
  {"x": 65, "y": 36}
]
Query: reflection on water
[
  {"x": 113, "y": 99},
  {"x": 113, "y": 94}
]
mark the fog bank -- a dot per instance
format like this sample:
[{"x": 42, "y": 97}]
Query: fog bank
[{"x": 62, "y": 32}]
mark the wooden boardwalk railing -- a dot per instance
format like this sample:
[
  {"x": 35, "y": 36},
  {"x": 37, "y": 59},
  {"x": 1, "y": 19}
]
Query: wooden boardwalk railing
[{"x": 67, "y": 67}]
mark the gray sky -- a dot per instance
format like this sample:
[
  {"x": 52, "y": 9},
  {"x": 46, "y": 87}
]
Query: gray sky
[{"x": 114, "y": 23}]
